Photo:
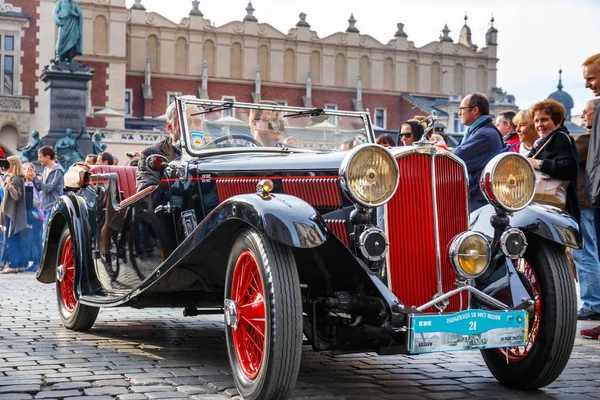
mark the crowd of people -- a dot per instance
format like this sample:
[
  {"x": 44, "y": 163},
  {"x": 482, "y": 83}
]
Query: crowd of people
[
  {"x": 26, "y": 201},
  {"x": 540, "y": 135}
]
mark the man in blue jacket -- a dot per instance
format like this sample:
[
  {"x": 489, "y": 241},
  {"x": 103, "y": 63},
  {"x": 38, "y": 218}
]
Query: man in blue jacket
[{"x": 479, "y": 145}]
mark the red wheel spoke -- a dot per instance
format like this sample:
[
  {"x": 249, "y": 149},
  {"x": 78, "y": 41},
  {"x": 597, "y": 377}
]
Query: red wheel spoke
[
  {"x": 245, "y": 282},
  {"x": 254, "y": 310},
  {"x": 237, "y": 290},
  {"x": 252, "y": 338},
  {"x": 257, "y": 325}
]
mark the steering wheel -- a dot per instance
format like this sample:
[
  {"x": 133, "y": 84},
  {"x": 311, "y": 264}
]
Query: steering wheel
[{"x": 239, "y": 136}]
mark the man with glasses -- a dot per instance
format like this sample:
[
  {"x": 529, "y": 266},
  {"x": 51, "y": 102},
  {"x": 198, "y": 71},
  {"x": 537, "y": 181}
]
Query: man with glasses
[
  {"x": 267, "y": 126},
  {"x": 479, "y": 145}
]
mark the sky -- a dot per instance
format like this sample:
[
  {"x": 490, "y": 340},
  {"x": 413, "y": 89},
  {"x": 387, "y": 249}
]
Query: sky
[{"x": 535, "y": 37}]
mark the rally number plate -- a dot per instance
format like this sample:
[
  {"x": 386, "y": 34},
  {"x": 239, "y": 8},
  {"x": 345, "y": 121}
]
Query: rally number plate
[{"x": 466, "y": 330}]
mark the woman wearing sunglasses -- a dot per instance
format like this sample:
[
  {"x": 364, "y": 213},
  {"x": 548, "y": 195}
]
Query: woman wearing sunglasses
[{"x": 410, "y": 132}]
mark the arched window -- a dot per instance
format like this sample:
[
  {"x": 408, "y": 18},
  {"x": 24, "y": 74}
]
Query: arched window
[
  {"x": 481, "y": 80},
  {"x": 459, "y": 80},
  {"x": 436, "y": 78},
  {"x": 340, "y": 70},
  {"x": 388, "y": 74},
  {"x": 100, "y": 35},
  {"x": 289, "y": 66},
  {"x": 365, "y": 71},
  {"x": 412, "y": 76},
  {"x": 152, "y": 51},
  {"x": 236, "y": 60},
  {"x": 181, "y": 56},
  {"x": 208, "y": 50},
  {"x": 263, "y": 61},
  {"x": 315, "y": 67}
]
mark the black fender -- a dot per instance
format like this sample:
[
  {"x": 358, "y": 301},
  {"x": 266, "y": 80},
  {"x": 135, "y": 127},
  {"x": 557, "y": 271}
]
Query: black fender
[
  {"x": 547, "y": 222},
  {"x": 502, "y": 282},
  {"x": 69, "y": 210},
  {"x": 286, "y": 219}
]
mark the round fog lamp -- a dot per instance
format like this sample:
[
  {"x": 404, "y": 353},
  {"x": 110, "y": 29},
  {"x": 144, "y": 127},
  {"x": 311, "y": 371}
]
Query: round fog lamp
[
  {"x": 470, "y": 254},
  {"x": 373, "y": 244},
  {"x": 513, "y": 243}
]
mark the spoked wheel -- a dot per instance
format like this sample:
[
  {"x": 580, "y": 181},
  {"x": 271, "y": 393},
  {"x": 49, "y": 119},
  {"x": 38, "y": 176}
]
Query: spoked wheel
[
  {"x": 263, "y": 312},
  {"x": 552, "y": 328},
  {"x": 74, "y": 315}
]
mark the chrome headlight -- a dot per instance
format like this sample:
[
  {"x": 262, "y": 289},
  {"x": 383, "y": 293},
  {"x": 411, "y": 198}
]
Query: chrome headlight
[
  {"x": 470, "y": 254},
  {"x": 508, "y": 180},
  {"x": 369, "y": 175}
]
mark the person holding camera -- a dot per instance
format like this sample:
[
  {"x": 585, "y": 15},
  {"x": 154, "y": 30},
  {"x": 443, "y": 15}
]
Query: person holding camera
[{"x": 133, "y": 158}]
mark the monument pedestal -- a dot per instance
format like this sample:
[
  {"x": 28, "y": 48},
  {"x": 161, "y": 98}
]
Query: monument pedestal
[{"x": 66, "y": 90}]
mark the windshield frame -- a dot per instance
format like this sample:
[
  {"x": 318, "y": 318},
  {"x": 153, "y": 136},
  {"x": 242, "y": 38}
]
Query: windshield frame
[{"x": 185, "y": 138}]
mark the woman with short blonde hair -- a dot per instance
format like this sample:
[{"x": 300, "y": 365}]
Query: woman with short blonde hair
[{"x": 525, "y": 128}]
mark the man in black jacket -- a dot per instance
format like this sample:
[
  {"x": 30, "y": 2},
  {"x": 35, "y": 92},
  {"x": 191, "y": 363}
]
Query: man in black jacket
[
  {"x": 168, "y": 147},
  {"x": 145, "y": 176},
  {"x": 591, "y": 74}
]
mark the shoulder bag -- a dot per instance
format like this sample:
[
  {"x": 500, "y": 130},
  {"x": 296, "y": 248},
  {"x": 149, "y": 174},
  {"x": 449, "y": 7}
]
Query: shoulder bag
[{"x": 550, "y": 191}]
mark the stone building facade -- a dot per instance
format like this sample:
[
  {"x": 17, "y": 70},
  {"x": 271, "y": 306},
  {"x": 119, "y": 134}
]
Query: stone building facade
[{"x": 142, "y": 60}]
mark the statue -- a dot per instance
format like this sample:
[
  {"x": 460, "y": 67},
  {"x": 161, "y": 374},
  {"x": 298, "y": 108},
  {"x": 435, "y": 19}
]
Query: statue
[
  {"x": 29, "y": 152},
  {"x": 98, "y": 147},
  {"x": 67, "y": 149},
  {"x": 69, "y": 18}
]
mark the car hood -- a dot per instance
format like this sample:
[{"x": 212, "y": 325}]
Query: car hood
[{"x": 241, "y": 162}]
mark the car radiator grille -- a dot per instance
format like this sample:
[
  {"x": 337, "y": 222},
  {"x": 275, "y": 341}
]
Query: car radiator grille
[
  {"x": 411, "y": 226},
  {"x": 320, "y": 192}
]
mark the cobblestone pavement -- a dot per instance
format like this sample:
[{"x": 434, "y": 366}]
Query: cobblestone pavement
[{"x": 159, "y": 354}]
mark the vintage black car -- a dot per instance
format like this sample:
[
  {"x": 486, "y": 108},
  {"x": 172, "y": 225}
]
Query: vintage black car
[{"x": 267, "y": 217}]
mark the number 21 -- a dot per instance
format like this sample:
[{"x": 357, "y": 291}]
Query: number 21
[{"x": 473, "y": 325}]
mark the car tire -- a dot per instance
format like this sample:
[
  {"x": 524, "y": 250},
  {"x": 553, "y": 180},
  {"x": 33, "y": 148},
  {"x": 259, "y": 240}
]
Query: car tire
[
  {"x": 553, "y": 328},
  {"x": 266, "y": 345},
  {"x": 74, "y": 315}
]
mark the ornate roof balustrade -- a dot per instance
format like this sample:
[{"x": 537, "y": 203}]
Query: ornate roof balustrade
[{"x": 115, "y": 136}]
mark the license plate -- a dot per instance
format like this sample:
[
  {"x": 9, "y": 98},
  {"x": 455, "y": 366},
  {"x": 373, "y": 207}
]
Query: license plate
[{"x": 467, "y": 330}]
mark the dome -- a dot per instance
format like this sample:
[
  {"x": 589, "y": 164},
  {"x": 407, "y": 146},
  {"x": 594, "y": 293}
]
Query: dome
[{"x": 563, "y": 97}]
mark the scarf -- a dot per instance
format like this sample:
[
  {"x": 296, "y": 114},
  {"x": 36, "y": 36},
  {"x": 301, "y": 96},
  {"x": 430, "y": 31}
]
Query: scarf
[
  {"x": 476, "y": 125},
  {"x": 542, "y": 140}
]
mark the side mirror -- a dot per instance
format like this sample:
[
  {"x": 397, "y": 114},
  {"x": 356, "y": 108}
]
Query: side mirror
[{"x": 157, "y": 162}]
